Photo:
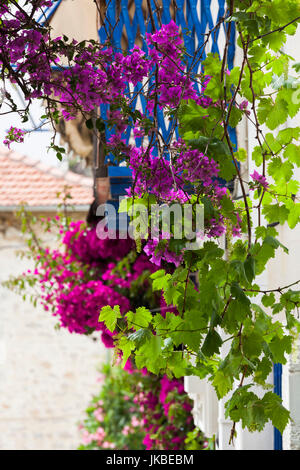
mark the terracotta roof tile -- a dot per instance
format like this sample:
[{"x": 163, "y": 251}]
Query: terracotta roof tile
[{"x": 23, "y": 180}]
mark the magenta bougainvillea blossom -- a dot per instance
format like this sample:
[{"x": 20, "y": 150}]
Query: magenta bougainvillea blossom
[
  {"x": 14, "y": 135},
  {"x": 160, "y": 406},
  {"x": 88, "y": 248},
  {"x": 78, "y": 307},
  {"x": 97, "y": 75},
  {"x": 79, "y": 280},
  {"x": 259, "y": 179}
]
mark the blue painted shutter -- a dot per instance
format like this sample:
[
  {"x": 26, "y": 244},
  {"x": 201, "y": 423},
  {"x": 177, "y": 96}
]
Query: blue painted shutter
[{"x": 277, "y": 372}]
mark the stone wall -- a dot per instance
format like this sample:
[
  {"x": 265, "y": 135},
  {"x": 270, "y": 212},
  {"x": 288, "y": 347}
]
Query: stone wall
[{"x": 47, "y": 377}]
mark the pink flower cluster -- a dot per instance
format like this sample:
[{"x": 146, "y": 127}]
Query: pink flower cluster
[
  {"x": 157, "y": 255},
  {"x": 99, "y": 436},
  {"x": 14, "y": 135},
  {"x": 167, "y": 179},
  {"x": 92, "y": 77},
  {"x": 174, "y": 84},
  {"x": 159, "y": 405},
  {"x": 87, "y": 248},
  {"x": 95, "y": 74},
  {"x": 196, "y": 166},
  {"x": 78, "y": 308},
  {"x": 134, "y": 66},
  {"x": 259, "y": 179},
  {"x": 77, "y": 283},
  {"x": 143, "y": 415}
]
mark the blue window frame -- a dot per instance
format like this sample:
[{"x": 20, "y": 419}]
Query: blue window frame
[
  {"x": 195, "y": 17},
  {"x": 277, "y": 372}
]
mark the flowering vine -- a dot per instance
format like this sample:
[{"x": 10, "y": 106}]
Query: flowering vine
[
  {"x": 74, "y": 282},
  {"x": 139, "y": 411},
  {"x": 213, "y": 293}
]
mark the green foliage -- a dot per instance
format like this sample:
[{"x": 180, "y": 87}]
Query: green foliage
[
  {"x": 222, "y": 308},
  {"x": 110, "y": 316},
  {"x": 254, "y": 412}
]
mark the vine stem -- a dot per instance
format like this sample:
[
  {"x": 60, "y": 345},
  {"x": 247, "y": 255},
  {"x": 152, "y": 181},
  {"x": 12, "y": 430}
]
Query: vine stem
[
  {"x": 275, "y": 30},
  {"x": 186, "y": 284},
  {"x": 279, "y": 289},
  {"x": 242, "y": 188},
  {"x": 226, "y": 123}
]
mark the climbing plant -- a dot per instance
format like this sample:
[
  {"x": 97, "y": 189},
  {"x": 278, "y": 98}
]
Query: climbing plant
[
  {"x": 139, "y": 411},
  {"x": 213, "y": 293},
  {"x": 134, "y": 409}
]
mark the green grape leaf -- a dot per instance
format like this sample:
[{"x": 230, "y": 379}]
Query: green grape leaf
[
  {"x": 279, "y": 346},
  {"x": 140, "y": 337},
  {"x": 212, "y": 343},
  {"x": 222, "y": 383},
  {"x": 110, "y": 316},
  {"x": 279, "y": 415},
  {"x": 140, "y": 319}
]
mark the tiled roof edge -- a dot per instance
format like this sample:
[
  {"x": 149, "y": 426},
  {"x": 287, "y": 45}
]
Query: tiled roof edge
[{"x": 68, "y": 176}]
